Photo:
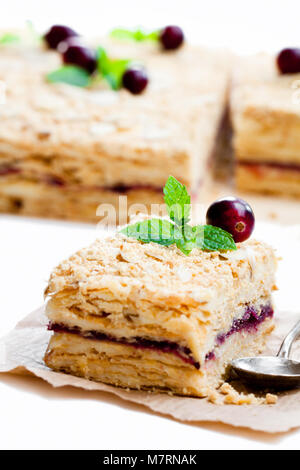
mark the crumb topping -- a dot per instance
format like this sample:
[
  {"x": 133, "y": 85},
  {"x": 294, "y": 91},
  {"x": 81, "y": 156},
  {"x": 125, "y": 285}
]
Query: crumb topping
[{"x": 139, "y": 270}]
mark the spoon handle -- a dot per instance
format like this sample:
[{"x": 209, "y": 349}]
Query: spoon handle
[{"x": 287, "y": 343}]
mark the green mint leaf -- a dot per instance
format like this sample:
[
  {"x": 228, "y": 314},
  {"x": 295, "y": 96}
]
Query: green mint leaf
[
  {"x": 116, "y": 71},
  {"x": 134, "y": 35},
  {"x": 178, "y": 201},
  {"x": 102, "y": 60},
  {"x": 121, "y": 33},
  {"x": 208, "y": 237},
  {"x": 159, "y": 231},
  {"x": 186, "y": 246},
  {"x": 70, "y": 74},
  {"x": 9, "y": 38},
  {"x": 111, "y": 70}
]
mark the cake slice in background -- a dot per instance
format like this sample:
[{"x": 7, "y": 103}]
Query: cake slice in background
[
  {"x": 64, "y": 150},
  {"x": 265, "y": 114}
]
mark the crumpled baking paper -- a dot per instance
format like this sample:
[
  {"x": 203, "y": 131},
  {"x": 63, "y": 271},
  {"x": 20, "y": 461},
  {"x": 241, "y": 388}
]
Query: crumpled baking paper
[{"x": 22, "y": 351}]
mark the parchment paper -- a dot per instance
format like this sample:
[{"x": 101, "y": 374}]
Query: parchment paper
[{"x": 22, "y": 350}]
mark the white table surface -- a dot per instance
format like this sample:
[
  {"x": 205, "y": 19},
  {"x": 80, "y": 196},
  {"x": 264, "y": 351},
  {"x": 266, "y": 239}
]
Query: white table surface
[{"x": 33, "y": 414}]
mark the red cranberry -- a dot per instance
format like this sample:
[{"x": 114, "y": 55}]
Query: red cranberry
[
  {"x": 64, "y": 45},
  {"x": 288, "y": 61},
  {"x": 58, "y": 33},
  {"x": 135, "y": 80},
  {"x": 81, "y": 56},
  {"x": 233, "y": 215},
  {"x": 171, "y": 37}
]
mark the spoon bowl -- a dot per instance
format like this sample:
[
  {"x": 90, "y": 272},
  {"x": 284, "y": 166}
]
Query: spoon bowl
[
  {"x": 279, "y": 371},
  {"x": 268, "y": 371}
]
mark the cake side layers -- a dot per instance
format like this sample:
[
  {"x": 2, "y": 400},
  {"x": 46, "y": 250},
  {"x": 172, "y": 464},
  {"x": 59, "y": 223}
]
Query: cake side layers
[
  {"x": 149, "y": 369},
  {"x": 82, "y": 204},
  {"x": 266, "y": 123},
  {"x": 248, "y": 323},
  {"x": 268, "y": 178}
]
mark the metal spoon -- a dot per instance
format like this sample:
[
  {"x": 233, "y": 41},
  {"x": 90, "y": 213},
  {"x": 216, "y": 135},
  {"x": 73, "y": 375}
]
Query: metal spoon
[{"x": 272, "y": 371}]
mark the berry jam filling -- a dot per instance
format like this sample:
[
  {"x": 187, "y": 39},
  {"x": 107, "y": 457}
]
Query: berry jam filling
[
  {"x": 182, "y": 352},
  {"x": 249, "y": 323},
  {"x": 279, "y": 166},
  {"x": 59, "y": 182},
  {"x": 4, "y": 171}
]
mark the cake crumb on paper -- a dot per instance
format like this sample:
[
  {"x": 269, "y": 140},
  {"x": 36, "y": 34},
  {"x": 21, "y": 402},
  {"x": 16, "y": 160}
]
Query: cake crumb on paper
[
  {"x": 227, "y": 394},
  {"x": 271, "y": 399}
]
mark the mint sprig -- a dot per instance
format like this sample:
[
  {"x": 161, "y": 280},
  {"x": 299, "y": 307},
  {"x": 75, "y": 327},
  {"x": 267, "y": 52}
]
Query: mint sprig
[
  {"x": 177, "y": 231},
  {"x": 159, "y": 231},
  {"x": 112, "y": 70},
  {"x": 70, "y": 74},
  {"x": 211, "y": 238},
  {"x": 178, "y": 201},
  {"x": 9, "y": 38},
  {"x": 134, "y": 35}
]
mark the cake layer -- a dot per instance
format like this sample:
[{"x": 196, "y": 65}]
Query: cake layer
[
  {"x": 249, "y": 322},
  {"x": 150, "y": 368},
  {"x": 96, "y": 137},
  {"x": 53, "y": 199},
  {"x": 268, "y": 178},
  {"x": 123, "y": 288}
]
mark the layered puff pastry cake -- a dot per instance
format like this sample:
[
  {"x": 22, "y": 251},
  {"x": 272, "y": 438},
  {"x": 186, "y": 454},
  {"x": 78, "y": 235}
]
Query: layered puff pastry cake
[
  {"x": 146, "y": 316},
  {"x": 265, "y": 113},
  {"x": 64, "y": 150}
]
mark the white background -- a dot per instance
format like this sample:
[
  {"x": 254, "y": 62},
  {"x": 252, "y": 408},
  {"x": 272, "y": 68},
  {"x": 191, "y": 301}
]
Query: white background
[{"x": 34, "y": 415}]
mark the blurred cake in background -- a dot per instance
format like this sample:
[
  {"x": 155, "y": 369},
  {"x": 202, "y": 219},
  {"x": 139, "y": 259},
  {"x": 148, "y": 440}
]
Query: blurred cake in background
[
  {"x": 65, "y": 149},
  {"x": 265, "y": 113}
]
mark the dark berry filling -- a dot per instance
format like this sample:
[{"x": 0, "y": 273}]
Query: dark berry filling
[
  {"x": 276, "y": 165},
  {"x": 249, "y": 323},
  {"x": 59, "y": 182},
  {"x": 140, "y": 343},
  {"x": 6, "y": 170}
]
